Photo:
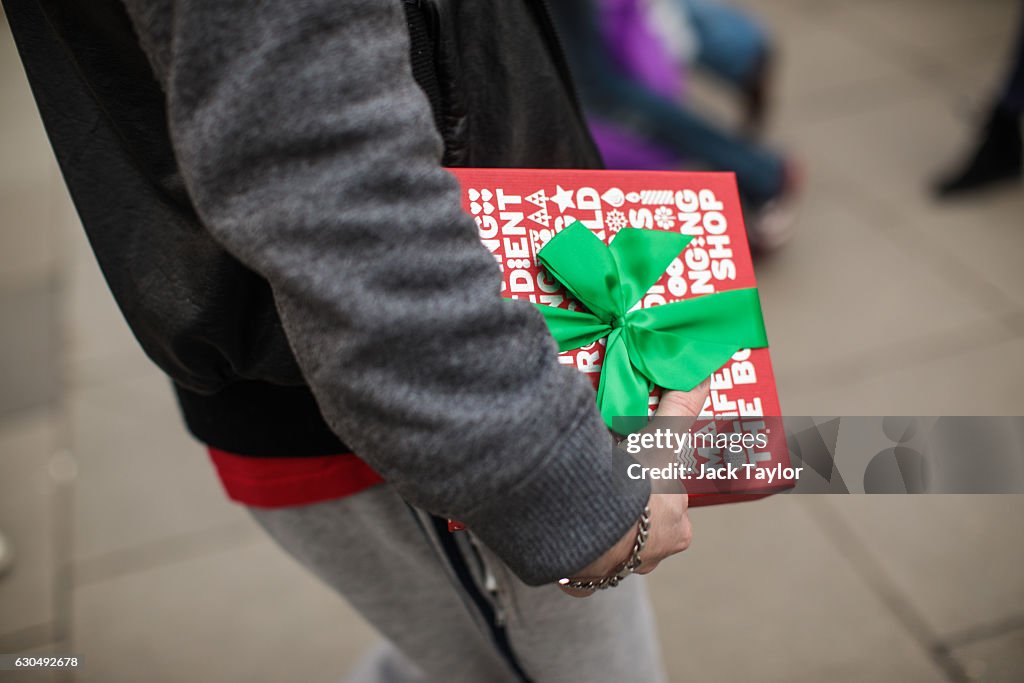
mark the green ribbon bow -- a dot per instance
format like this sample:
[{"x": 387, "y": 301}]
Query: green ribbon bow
[{"x": 674, "y": 346}]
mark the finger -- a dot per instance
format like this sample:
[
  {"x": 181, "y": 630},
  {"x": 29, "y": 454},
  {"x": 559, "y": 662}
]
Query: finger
[
  {"x": 685, "y": 534},
  {"x": 684, "y": 403}
]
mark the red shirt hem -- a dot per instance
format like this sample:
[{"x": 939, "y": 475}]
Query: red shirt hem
[{"x": 287, "y": 482}]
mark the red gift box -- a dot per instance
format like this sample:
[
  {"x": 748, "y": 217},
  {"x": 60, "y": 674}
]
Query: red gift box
[{"x": 519, "y": 210}]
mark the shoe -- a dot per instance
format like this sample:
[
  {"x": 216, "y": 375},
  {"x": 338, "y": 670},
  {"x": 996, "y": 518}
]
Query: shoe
[
  {"x": 756, "y": 95},
  {"x": 771, "y": 225},
  {"x": 998, "y": 158}
]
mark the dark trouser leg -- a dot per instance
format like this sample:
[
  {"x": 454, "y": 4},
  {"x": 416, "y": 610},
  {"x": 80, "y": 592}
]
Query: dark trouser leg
[{"x": 998, "y": 156}]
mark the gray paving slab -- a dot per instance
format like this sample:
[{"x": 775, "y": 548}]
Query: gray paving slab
[
  {"x": 27, "y": 591},
  {"x": 30, "y": 374},
  {"x": 763, "y": 595},
  {"x": 249, "y": 614},
  {"x": 956, "y": 559},
  {"x": 142, "y": 478},
  {"x": 999, "y": 659}
]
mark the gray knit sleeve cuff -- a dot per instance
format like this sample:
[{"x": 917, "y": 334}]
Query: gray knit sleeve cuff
[{"x": 567, "y": 512}]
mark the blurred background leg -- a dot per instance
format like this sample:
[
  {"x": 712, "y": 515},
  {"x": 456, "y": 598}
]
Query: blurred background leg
[
  {"x": 999, "y": 153},
  {"x": 6, "y": 554}
]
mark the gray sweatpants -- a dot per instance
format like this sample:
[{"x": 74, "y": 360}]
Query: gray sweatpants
[{"x": 451, "y": 612}]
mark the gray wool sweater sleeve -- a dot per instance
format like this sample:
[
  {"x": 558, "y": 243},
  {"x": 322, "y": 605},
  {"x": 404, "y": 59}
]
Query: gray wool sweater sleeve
[{"x": 311, "y": 155}]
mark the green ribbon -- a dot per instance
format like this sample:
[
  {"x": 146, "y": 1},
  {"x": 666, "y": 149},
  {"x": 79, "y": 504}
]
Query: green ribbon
[{"x": 674, "y": 346}]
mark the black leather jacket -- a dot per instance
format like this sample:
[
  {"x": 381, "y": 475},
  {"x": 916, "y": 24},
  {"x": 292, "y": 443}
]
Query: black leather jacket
[{"x": 501, "y": 95}]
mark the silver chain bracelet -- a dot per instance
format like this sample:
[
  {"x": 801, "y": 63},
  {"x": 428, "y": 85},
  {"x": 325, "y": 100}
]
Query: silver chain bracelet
[{"x": 643, "y": 529}]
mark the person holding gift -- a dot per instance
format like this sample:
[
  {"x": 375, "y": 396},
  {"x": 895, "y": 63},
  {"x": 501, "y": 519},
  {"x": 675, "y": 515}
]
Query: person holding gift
[{"x": 263, "y": 187}]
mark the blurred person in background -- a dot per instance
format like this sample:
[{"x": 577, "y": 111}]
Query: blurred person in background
[
  {"x": 998, "y": 154},
  {"x": 6, "y": 554},
  {"x": 725, "y": 42},
  {"x": 629, "y": 58},
  {"x": 263, "y": 187}
]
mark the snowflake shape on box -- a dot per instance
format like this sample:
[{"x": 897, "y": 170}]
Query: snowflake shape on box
[
  {"x": 664, "y": 218},
  {"x": 615, "y": 220}
]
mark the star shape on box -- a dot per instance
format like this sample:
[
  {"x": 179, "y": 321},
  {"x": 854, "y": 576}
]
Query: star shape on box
[{"x": 563, "y": 198}]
